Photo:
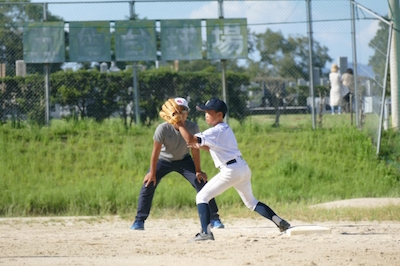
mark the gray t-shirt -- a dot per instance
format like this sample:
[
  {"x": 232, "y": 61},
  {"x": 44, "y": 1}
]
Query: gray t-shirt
[{"x": 174, "y": 147}]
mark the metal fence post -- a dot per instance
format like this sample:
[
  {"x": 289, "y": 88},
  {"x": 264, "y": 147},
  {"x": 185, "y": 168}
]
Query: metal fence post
[
  {"x": 311, "y": 62},
  {"x": 46, "y": 78},
  {"x": 383, "y": 101},
  {"x": 355, "y": 66},
  {"x": 134, "y": 72},
  {"x": 223, "y": 63}
]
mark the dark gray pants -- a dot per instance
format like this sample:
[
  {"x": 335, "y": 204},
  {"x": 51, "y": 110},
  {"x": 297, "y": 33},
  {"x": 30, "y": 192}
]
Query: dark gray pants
[{"x": 184, "y": 167}]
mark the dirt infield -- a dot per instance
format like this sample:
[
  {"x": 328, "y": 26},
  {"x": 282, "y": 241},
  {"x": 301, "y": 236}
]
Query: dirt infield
[{"x": 109, "y": 241}]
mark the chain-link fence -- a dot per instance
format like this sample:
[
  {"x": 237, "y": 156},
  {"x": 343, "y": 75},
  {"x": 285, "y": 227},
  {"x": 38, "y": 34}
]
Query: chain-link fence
[
  {"x": 373, "y": 94},
  {"x": 274, "y": 79}
]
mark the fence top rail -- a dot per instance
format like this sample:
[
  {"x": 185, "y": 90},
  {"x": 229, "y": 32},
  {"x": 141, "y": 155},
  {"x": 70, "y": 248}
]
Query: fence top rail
[{"x": 133, "y": 1}]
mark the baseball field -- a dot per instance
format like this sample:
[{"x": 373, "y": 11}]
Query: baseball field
[
  {"x": 68, "y": 196},
  {"x": 244, "y": 241}
]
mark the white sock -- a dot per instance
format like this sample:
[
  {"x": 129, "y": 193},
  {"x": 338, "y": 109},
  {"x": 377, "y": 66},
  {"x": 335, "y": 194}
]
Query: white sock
[
  {"x": 208, "y": 229},
  {"x": 276, "y": 219}
]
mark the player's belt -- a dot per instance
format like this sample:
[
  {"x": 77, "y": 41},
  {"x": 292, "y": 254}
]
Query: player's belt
[{"x": 231, "y": 162}]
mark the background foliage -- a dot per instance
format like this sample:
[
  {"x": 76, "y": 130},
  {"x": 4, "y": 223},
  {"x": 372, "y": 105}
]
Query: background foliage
[{"x": 91, "y": 94}]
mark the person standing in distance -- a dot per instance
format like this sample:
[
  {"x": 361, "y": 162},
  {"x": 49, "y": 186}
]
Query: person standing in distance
[
  {"x": 348, "y": 81},
  {"x": 221, "y": 142},
  {"x": 170, "y": 153},
  {"x": 335, "y": 95}
]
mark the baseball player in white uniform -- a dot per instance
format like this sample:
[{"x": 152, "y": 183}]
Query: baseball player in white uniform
[{"x": 221, "y": 142}]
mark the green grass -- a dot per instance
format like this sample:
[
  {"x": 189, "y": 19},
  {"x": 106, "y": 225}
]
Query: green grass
[{"x": 86, "y": 168}]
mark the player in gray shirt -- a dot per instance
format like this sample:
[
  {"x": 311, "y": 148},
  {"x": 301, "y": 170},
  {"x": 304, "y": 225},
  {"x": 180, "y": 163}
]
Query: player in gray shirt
[{"x": 170, "y": 153}]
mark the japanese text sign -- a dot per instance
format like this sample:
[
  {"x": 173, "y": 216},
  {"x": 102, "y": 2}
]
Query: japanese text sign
[
  {"x": 135, "y": 40},
  {"x": 226, "y": 38},
  {"x": 181, "y": 39},
  {"x": 89, "y": 41},
  {"x": 43, "y": 42}
]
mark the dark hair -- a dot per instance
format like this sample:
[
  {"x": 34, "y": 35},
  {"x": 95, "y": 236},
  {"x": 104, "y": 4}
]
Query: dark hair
[{"x": 350, "y": 71}]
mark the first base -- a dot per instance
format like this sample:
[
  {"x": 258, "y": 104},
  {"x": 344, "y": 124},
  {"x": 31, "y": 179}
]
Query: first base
[{"x": 307, "y": 230}]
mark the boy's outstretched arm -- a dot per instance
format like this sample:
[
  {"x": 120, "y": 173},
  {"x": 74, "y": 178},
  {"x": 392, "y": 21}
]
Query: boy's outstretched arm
[{"x": 190, "y": 139}]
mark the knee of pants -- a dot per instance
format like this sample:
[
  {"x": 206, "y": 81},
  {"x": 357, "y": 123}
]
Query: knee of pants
[
  {"x": 201, "y": 198},
  {"x": 251, "y": 204}
]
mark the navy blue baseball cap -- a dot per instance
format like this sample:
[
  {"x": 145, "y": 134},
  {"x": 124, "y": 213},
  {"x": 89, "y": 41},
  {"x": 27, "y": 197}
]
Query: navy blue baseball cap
[{"x": 214, "y": 104}]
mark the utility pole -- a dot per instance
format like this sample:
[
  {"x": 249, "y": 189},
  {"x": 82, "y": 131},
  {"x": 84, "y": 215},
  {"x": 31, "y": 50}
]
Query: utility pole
[{"x": 395, "y": 62}]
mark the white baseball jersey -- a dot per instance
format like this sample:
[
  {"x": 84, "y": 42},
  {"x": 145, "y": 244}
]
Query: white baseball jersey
[
  {"x": 223, "y": 148},
  {"x": 222, "y": 143}
]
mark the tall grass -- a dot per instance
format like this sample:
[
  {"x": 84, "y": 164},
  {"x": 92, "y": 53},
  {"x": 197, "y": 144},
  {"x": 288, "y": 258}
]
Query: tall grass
[{"x": 86, "y": 168}]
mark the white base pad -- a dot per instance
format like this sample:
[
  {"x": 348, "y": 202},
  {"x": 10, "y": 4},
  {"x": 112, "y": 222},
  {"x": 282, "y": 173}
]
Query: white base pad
[{"x": 307, "y": 230}]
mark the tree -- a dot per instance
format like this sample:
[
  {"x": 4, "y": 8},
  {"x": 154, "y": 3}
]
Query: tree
[
  {"x": 377, "y": 61},
  {"x": 287, "y": 57}
]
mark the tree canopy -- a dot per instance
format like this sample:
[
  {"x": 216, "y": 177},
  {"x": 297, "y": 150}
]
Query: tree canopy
[
  {"x": 379, "y": 43},
  {"x": 287, "y": 57}
]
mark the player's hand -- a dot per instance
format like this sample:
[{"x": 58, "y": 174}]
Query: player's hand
[
  {"x": 198, "y": 146},
  {"x": 148, "y": 179},
  {"x": 201, "y": 176}
]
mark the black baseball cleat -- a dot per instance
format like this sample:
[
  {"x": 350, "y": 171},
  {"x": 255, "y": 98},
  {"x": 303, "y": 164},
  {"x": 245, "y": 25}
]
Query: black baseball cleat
[{"x": 283, "y": 226}]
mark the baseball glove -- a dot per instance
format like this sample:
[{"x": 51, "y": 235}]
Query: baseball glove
[{"x": 171, "y": 112}]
